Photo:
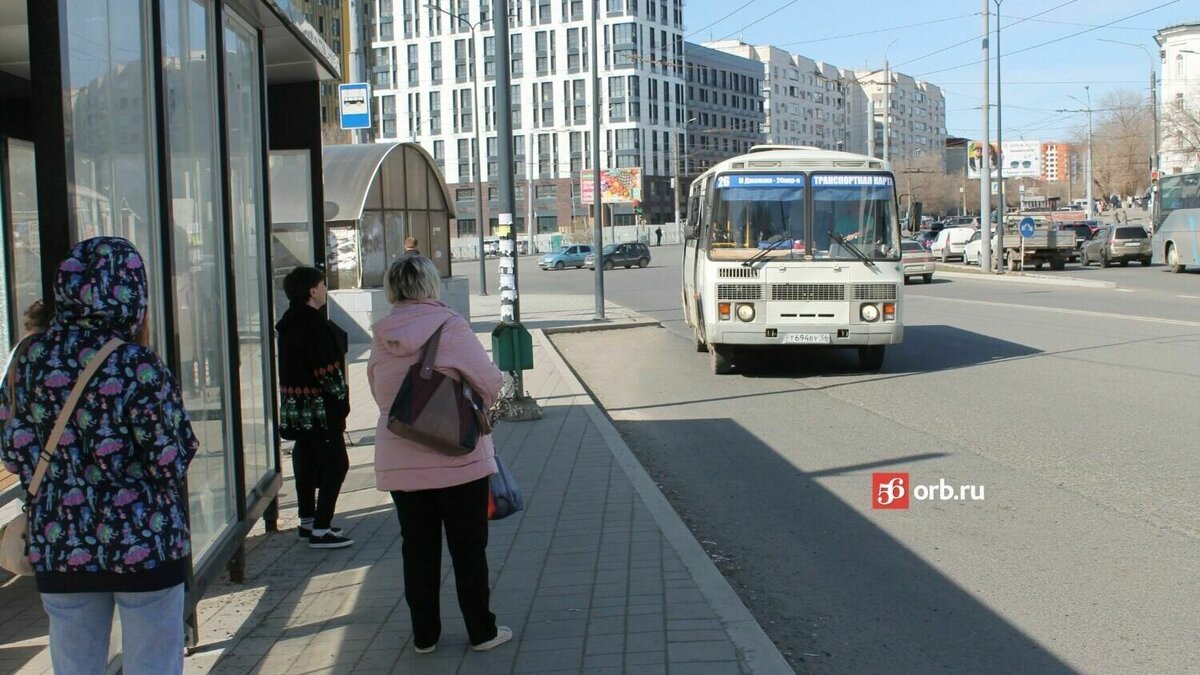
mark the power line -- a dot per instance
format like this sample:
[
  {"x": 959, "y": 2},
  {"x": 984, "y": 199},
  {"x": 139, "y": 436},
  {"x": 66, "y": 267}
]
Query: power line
[
  {"x": 704, "y": 28},
  {"x": 880, "y": 30},
  {"x": 1054, "y": 41},
  {"x": 760, "y": 20}
]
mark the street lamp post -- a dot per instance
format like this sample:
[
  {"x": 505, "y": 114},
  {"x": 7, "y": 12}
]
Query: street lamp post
[
  {"x": 675, "y": 171},
  {"x": 1154, "y": 162},
  {"x": 985, "y": 173},
  {"x": 597, "y": 206},
  {"x": 1088, "y": 169},
  {"x": 887, "y": 102},
  {"x": 478, "y": 122}
]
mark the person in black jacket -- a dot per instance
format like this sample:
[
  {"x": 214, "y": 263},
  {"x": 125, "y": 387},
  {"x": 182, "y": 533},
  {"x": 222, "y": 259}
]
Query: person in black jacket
[{"x": 314, "y": 402}]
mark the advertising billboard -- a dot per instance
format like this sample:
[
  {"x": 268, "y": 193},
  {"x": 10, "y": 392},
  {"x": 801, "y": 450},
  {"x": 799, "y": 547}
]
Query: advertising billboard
[
  {"x": 1022, "y": 159},
  {"x": 975, "y": 158},
  {"x": 617, "y": 186}
]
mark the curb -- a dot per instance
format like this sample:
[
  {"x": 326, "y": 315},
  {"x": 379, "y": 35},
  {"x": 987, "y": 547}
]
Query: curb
[
  {"x": 756, "y": 649},
  {"x": 637, "y": 321},
  {"x": 1026, "y": 278}
]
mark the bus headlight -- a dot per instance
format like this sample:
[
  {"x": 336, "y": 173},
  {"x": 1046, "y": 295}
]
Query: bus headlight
[
  {"x": 745, "y": 312},
  {"x": 869, "y": 313}
]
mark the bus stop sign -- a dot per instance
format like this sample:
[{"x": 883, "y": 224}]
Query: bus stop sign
[{"x": 1026, "y": 227}]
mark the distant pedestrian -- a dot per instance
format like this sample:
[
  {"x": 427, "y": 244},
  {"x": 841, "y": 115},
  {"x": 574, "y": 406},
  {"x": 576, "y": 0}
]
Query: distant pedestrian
[
  {"x": 314, "y": 402},
  {"x": 431, "y": 490},
  {"x": 108, "y": 525},
  {"x": 410, "y": 246},
  {"x": 658, "y": 233},
  {"x": 36, "y": 318}
]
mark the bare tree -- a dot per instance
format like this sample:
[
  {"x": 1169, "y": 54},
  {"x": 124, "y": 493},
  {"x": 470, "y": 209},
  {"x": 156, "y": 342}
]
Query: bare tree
[
  {"x": 1122, "y": 143},
  {"x": 1181, "y": 130}
]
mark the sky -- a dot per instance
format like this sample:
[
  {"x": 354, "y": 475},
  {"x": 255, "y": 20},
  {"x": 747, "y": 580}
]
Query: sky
[{"x": 1050, "y": 49}]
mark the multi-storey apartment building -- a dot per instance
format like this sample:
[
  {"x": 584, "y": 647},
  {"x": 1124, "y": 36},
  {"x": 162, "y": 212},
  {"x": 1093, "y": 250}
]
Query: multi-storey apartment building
[
  {"x": 426, "y": 73},
  {"x": 329, "y": 18},
  {"x": 1179, "y": 107},
  {"x": 805, "y": 102},
  {"x": 1060, "y": 162},
  {"x": 917, "y": 115},
  {"x": 725, "y": 107}
]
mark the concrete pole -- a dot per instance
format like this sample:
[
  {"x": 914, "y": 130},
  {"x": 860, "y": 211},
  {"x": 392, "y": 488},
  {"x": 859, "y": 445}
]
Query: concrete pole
[
  {"x": 1000, "y": 147},
  {"x": 597, "y": 207},
  {"x": 480, "y": 197},
  {"x": 985, "y": 172},
  {"x": 529, "y": 191},
  {"x": 887, "y": 110},
  {"x": 1089, "y": 157}
]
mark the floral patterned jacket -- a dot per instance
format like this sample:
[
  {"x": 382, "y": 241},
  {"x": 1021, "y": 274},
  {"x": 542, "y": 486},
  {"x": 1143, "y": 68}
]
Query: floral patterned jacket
[{"x": 110, "y": 514}]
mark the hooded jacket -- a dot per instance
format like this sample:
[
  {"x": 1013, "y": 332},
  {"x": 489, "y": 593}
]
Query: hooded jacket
[
  {"x": 313, "y": 397},
  {"x": 110, "y": 514},
  {"x": 401, "y": 464}
]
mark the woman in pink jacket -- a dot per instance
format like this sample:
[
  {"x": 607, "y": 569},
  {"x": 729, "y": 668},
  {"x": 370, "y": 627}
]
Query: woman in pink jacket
[{"x": 431, "y": 489}]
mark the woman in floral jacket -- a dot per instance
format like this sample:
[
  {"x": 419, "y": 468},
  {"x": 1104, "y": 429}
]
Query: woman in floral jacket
[{"x": 108, "y": 526}]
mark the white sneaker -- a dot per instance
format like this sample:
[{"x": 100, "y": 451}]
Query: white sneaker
[
  {"x": 503, "y": 634},
  {"x": 425, "y": 650}
]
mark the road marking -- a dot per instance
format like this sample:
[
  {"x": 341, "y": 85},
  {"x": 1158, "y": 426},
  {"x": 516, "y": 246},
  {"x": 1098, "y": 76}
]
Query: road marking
[
  {"x": 1077, "y": 312},
  {"x": 1123, "y": 290},
  {"x": 1190, "y": 297}
]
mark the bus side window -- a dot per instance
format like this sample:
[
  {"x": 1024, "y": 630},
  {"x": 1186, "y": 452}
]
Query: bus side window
[{"x": 693, "y": 216}]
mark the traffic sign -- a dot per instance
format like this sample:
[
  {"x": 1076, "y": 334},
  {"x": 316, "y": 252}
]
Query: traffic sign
[
  {"x": 355, "y": 102},
  {"x": 1026, "y": 227}
]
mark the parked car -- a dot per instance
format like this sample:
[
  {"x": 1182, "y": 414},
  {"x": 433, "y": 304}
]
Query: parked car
[
  {"x": 917, "y": 261},
  {"x": 1084, "y": 230},
  {"x": 565, "y": 256},
  {"x": 973, "y": 249},
  {"x": 1117, "y": 243},
  {"x": 925, "y": 238},
  {"x": 628, "y": 254},
  {"x": 950, "y": 242}
]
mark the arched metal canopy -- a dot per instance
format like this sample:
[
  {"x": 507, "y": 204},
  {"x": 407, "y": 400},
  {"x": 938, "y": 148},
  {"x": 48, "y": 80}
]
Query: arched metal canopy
[{"x": 401, "y": 174}]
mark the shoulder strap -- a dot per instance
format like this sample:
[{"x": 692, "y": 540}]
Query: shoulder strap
[
  {"x": 68, "y": 408},
  {"x": 429, "y": 353}
]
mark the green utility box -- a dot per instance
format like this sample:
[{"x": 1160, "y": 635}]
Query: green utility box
[
  {"x": 512, "y": 347},
  {"x": 556, "y": 241}
]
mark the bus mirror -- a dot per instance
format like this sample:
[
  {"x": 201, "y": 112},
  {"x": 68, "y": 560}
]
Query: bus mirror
[{"x": 691, "y": 232}]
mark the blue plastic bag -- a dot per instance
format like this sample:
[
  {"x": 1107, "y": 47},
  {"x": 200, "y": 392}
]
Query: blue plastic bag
[{"x": 504, "y": 495}]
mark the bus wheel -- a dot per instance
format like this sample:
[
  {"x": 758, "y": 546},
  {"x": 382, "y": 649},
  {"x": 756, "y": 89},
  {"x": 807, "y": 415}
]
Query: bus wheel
[
  {"x": 1173, "y": 259},
  {"x": 870, "y": 357},
  {"x": 722, "y": 363}
]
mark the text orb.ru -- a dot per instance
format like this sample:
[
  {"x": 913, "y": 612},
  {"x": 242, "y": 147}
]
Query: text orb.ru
[{"x": 894, "y": 490}]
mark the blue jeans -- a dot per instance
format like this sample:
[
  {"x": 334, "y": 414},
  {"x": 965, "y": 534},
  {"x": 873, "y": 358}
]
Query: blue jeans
[{"x": 151, "y": 630}]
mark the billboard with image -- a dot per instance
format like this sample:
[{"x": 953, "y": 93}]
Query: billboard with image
[
  {"x": 975, "y": 158},
  {"x": 1022, "y": 159},
  {"x": 617, "y": 186}
]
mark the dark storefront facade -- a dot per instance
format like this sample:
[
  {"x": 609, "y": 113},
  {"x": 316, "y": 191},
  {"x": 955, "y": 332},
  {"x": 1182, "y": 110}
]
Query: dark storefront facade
[{"x": 157, "y": 120}]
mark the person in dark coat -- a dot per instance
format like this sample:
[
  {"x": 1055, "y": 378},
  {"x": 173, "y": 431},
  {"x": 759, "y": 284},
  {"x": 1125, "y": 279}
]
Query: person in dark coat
[
  {"x": 658, "y": 233},
  {"x": 314, "y": 401}
]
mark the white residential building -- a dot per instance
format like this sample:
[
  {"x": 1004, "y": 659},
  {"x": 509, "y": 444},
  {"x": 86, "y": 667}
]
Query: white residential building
[
  {"x": 917, "y": 124},
  {"x": 725, "y": 107},
  {"x": 1179, "y": 107},
  {"x": 425, "y": 68}
]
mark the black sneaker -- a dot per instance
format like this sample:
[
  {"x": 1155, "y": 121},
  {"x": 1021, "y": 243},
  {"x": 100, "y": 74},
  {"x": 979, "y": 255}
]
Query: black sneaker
[
  {"x": 306, "y": 532},
  {"x": 329, "y": 540}
]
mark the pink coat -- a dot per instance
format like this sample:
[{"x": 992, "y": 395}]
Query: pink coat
[{"x": 401, "y": 464}]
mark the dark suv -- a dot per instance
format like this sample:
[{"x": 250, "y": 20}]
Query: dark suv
[{"x": 628, "y": 254}]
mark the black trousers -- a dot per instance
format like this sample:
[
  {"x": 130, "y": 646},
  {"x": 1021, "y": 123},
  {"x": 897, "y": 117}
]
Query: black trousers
[
  {"x": 320, "y": 464},
  {"x": 463, "y": 511}
]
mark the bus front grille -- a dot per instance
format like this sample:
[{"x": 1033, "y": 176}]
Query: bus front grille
[
  {"x": 739, "y": 292},
  {"x": 874, "y": 291},
  {"x": 808, "y": 292},
  {"x": 738, "y": 272}
]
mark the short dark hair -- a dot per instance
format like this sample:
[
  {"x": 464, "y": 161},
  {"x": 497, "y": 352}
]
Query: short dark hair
[{"x": 299, "y": 283}]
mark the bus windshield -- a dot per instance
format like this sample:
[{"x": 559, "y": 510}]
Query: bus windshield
[
  {"x": 859, "y": 207},
  {"x": 1177, "y": 192},
  {"x": 755, "y": 211}
]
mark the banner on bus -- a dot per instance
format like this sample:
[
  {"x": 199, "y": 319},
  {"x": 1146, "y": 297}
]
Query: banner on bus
[{"x": 617, "y": 186}]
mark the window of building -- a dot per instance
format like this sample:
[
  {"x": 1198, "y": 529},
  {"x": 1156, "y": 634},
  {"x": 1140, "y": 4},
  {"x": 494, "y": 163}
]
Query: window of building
[
  {"x": 464, "y": 196},
  {"x": 413, "y": 70},
  {"x": 547, "y": 191},
  {"x": 547, "y": 224},
  {"x": 516, "y": 56}
]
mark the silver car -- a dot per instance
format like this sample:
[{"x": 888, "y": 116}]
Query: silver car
[{"x": 1116, "y": 243}]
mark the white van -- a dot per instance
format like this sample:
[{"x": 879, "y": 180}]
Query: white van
[{"x": 950, "y": 242}]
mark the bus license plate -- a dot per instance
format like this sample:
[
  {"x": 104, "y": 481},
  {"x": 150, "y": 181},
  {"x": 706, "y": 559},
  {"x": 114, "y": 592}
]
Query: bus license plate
[{"x": 808, "y": 338}]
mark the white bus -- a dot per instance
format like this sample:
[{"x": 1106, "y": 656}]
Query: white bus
[
  {"x": 794, "y": 246},
  {"x": 1176, "y": 239}
]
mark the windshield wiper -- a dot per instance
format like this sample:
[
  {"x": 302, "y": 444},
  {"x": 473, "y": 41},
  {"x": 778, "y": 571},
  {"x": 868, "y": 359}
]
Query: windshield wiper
[
  {"x": 772, "y": 245},
  {"x": 853, "y": 249}
]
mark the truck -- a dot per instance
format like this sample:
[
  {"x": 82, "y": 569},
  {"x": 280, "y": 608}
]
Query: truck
[{"x": 1049, "y": 244}]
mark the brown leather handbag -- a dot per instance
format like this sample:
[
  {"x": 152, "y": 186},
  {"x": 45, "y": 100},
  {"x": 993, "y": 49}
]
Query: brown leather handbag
[{"x": 435, "y": 410}]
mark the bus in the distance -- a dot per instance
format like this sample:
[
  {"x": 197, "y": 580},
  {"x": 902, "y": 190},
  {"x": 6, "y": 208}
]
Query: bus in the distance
[
  {"x": 793, "y": 247},
  {"x": 1176, "y": 238}
]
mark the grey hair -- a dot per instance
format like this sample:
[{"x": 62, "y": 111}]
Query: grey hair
[{"x": 412, "y": 277}]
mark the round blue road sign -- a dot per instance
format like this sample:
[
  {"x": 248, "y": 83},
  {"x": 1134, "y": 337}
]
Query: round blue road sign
[{"x": 1026, "y": 227}]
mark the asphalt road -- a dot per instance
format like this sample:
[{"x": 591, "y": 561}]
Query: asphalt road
[{"x": 1073, "y": 408}]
